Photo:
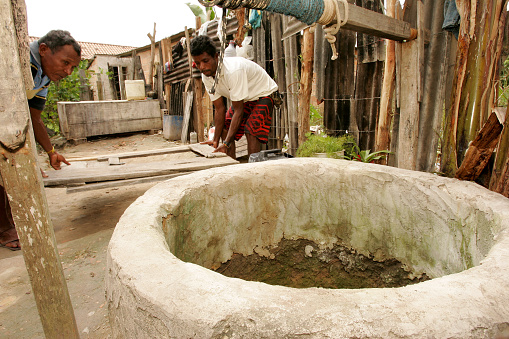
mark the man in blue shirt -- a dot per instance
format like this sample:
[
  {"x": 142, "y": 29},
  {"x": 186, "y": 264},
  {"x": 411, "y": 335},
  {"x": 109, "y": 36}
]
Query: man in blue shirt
[{"x": 52, "y": 58}]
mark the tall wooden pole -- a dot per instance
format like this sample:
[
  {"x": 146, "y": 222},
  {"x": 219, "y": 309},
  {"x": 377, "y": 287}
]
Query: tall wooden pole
[
  {"x": 306, "y": 82},
  {"x": 152, "y": 38},
  {"x": 23, "y": 183},
  {"x": 382, "y": 138}
]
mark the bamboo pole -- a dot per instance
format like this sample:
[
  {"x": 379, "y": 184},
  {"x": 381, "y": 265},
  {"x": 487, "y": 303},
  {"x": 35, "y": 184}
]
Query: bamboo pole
[{"x": 23, "y": 183}]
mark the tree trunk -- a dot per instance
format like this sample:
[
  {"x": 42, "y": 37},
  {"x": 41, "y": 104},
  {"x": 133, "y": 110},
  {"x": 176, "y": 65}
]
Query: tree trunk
[{"x": 481, "y": 34}]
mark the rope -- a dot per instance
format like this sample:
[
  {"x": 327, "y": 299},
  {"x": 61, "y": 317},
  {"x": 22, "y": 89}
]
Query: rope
[{"x": 331, "y": 30}]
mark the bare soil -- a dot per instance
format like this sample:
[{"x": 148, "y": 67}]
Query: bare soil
[
  {"x": 83, "y": 223},
  {"x": 301, "y": 264}
]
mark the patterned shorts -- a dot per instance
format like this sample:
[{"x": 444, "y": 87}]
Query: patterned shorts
[{"x": 255, "y": 121}]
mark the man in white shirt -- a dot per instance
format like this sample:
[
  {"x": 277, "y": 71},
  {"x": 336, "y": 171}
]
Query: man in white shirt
[{"x": 247, "y": 85}]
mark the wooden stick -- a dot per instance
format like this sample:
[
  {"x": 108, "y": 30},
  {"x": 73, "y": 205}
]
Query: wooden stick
[{"x": 152, "y": 38}]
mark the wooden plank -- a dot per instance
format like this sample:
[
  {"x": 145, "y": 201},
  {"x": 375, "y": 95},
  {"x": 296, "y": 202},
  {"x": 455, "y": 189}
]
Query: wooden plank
[
  {"x": 137, "y": 154},
  {"x": 365, "y": 21},
  {"x": 21, "y": 180},
  {"x": 206, "y": 151},
  {"x": 92, "y": 118},
  {"x": 187, "y": 114},
  {"x": 131, "y": 171},
  {"x": 409, "y": 113},
  {"x": 118, "y": 183}
]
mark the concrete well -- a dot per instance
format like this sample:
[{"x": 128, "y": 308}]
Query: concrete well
[{"x": 160, "y": 281}]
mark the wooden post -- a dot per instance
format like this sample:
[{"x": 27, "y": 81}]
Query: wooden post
[
  {"x": 189, "y": 58},
  {"x": 23, "y": 183},
  {"x": 198, "y": 109},
  {"x": 383, "y": 140},
  {"x": 409, "y": 113},
  {"x": 152, "y": 57},
  {"x": 306, "y": 82}
]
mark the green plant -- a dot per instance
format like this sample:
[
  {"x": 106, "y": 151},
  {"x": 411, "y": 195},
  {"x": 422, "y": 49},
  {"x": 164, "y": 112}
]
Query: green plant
[
  {"x": 67, "y": 89},
  {"x": 315, "y": 117},
  {"x": 317, "y": 143},
  {"x": 208, "y": 15},
  {"x": 503, "y": 85},
  {"x": 364, "y": 156}
]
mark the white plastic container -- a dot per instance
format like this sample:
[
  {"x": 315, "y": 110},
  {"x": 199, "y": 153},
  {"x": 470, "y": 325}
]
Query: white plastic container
[{"x": 135, "y": 89}]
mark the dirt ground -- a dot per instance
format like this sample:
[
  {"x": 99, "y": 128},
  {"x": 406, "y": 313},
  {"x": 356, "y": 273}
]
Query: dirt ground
[{"x": 83, "y": 224}]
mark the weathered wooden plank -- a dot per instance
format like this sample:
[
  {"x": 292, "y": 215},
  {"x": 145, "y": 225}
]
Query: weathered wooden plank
[
  {"x": 206, "y": 151},
  {"x": 409, "y": 113},
  {"x": 187, "y": 113},
  {"x": 131, "y": 171},
  {"x": 91, "y": 118},
  {"x": 137, "y": 154},
  {"x": 365, "y": 21},
  {"x": 118, "y": 183},
  {"x": 369, "y": 22}
]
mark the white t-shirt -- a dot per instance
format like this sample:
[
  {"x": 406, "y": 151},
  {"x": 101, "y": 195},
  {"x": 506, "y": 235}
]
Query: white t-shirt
[{"x": 240, "y": 80}]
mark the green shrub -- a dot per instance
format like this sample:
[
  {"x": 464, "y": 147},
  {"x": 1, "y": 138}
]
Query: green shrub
[{"x": 316, "y": 143}]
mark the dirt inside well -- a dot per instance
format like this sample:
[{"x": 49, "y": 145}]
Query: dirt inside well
[{"x": 301, "y": 264}]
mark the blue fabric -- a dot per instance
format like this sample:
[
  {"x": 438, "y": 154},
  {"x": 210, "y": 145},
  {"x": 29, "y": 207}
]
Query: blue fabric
[
  {"x": 452, "y": 18},
  {"x": 255, "y": 19},
  {"x": 41, "y": 81},
  {"x": 307, "y": 11}
]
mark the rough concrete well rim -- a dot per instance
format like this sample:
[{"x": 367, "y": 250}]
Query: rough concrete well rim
[{"x": 138, "y": 244}]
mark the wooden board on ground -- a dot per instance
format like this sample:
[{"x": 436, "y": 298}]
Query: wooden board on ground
[
  {"x": 132, "y": 171},
  {"x": 116, "y": 183},
  {"x": 206, "y": 151},
  {"x": 105, "y": 157}
]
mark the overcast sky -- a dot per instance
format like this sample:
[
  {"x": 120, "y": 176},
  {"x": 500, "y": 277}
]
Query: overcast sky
[{"x": 110, "y": 21}]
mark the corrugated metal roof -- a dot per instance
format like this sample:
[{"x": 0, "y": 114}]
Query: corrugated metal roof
[{"x": 89, "y": 49}]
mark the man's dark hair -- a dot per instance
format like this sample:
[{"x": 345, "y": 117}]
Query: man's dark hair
[
  {"x": 201, "y": 44},
  {"x": 56, "y": 39}
]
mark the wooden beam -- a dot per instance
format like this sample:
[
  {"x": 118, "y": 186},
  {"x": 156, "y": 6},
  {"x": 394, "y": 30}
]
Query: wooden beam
[
  {"x": 22, "y": 182},
  {"x": 365, "y": 21},
  {"x": 133, "y": 170}
]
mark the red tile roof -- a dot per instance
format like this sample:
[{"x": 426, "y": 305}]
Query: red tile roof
[{"x": 89, "y": 49}]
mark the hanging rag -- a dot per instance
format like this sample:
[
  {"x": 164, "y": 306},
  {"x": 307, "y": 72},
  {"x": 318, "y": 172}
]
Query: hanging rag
[
  {"x": 255, "y": 18},
  {"x": 452, "y": 18}
]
